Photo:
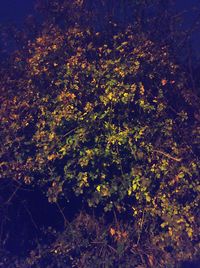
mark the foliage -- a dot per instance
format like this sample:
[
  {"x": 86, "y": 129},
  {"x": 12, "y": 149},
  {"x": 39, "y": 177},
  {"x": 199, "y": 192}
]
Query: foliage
[
  {"x": 86, "y": 242},
  {"x": 111, "y": 120}
]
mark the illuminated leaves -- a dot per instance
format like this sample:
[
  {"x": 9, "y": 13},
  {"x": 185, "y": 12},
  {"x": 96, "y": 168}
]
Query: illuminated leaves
[
  {"x": 102, "y": 121},
  {"x": 103, "y": 190},
  {"x": 163, "y": 82},
  {"x": 118, "y": 235}
]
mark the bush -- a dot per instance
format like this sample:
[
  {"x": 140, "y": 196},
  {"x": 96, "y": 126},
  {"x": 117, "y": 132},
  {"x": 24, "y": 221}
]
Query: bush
[
  {"x": 109, "y": 119},
  {"x": 88, "y": 242}
]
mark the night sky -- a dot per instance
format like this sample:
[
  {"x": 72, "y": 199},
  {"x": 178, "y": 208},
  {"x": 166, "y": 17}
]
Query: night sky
[{"x": 15, "y": 12}]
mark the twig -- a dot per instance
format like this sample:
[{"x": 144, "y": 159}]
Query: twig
[
  {"x": 13, "y": 194},
  {"x": 168, "y": 155},
  {"x": 112, "y": 248},
  {"x": 69, "y": 132},
  {"x": 31, "y": 217},
  {"x": 142, "y": 222},
  {"x": 63, "y": 215},
  {"x": 116, "y": 220},
  {"x": 97, "y": 242}
]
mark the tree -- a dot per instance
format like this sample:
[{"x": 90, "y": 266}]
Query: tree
[{"x": 110, "y": 120}]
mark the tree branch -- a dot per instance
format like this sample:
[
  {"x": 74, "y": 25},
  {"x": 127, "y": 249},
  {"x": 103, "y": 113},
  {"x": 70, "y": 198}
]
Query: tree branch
[{"x": 168, "y": 155}]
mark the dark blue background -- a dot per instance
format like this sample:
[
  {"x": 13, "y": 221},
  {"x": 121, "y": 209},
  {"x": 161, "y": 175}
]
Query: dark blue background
[{"x": 15, "y": 11}]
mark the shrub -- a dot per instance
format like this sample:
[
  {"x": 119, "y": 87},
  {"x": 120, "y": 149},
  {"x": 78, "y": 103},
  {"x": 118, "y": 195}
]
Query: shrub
[{"x": 110, "y": 120}]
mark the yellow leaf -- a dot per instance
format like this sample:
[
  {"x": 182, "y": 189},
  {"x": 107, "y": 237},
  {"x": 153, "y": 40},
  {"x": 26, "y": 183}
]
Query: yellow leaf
[
  {"x": 51, "y": 157},
  {"x": 110, "y": 95},
  {"x": 98, "y": 188},
  {"x": 148, "y": 198},
  {"x": 112, "y": 231},
  {"x": 190, "y": 232},
  {"x": 170, "y": 231}
]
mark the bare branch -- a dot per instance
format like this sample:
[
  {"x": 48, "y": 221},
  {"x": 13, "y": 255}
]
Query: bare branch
[{"x": 168, "y": 155}]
